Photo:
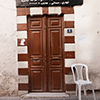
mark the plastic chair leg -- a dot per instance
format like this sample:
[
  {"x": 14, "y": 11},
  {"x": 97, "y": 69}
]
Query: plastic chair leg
[
  {"x": 79, "y": 92},
  {"x": 93, "y": 92},
  {"x": 76, "y": 90},
  {"x": 85, "y": 90}
]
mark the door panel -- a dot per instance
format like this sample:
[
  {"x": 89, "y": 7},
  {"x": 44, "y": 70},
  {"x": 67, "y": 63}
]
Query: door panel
[
  {"x": 55, "y": 42},
  {"x": 55, "y": 54},
  {"x": 36, "y": 62},
  {"x": 36, "y": 46},
  {"x": 36, "y": 22},
  {"x": 37, "y": 80},
  {"x": 55, "y": 62},
  {"x": 54, "y": 22},
  {"x": 45, "y": 54},
  {"x": 36, "y": 58},
  {"x": 55, "y": 79}
]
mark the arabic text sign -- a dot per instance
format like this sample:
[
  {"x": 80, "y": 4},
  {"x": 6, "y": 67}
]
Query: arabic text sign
[{"x": 41, "y": 3}]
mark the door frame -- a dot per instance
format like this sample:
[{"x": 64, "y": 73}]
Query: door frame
[{"x": 44, "y": 33}]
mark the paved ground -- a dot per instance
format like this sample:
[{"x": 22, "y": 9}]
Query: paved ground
[{"x": 71, "y": 97}]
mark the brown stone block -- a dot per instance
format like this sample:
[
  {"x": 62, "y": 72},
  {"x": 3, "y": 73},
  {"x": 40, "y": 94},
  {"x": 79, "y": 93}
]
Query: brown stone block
[
  {"x": 70, "y": 87},
  {"x": 22, "y": 71},
  {"x": 22, "y": 57},
  {"x": 23, "y": 11},
  {"x": 70, "y": 54},
  {"x": 19, "y": 41},
  {"x": 68, "y": 71},
  {"x": 23, "y": 86},
  {"x": 45, "y": 10},
  {"x": 69, "y": 39},
  {"x": 21, "y": 27},
  {"x": 69, "y": 24},
  {"x": 67, "y": 10}
]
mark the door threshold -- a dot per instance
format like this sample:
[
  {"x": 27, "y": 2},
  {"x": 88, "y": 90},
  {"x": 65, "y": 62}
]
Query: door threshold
[{"x": 45, "y": 95}]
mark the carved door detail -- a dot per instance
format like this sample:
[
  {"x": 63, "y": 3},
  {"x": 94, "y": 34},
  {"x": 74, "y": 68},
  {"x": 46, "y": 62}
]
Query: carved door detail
[{"x": 45, "y": 53}]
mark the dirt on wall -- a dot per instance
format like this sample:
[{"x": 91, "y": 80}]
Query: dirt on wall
[{"x": 8, "y": 84}]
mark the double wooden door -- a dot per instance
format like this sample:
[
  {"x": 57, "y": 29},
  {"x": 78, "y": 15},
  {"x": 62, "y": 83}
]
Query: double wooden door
[{"x": 45, "y": 53}]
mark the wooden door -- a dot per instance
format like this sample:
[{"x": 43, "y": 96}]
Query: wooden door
[
  {"x": 45, "y": 53},
  {"x": 55, "y": 53}
]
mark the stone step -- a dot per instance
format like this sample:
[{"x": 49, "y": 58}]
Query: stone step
[{"x": 45, "y": 95}]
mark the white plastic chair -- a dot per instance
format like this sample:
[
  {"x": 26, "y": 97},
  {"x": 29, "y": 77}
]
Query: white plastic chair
[{"x": 77, "y": 71}]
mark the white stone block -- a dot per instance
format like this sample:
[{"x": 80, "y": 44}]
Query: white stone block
[
  {"x": 22, "y": 50},
  {"x": 71, "y": 92},
  {"x": 21, "y": 34},
  {"x": 23, "y": 79},
  {"x": 22, "y": 92},
  {"x": 54, "y": 10},
  {"x": 69, "y": 62},
  {"x": 21, "y": 19},
  {"x": 69, "y": 34},
  {"x": 69, "y": 79},
  {"x": 36, "y": 11},
  {"x": 69, "y": 47},
  {"x": 23, "y": 64},
  {"x": 68, "y": 17}
]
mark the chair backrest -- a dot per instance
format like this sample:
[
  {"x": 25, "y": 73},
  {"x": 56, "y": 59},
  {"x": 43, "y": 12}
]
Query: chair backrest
[{"x": 77, "y": 70}]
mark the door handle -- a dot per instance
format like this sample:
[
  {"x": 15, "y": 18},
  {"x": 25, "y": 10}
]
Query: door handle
[
  {"x": 55, "y": 57},
  {"x": 34, "y": 57},
  {"x": 36, "y": 60}
]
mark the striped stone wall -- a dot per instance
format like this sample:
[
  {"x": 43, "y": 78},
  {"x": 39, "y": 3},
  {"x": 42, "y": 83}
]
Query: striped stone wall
[{"x": 69, "y": 43}]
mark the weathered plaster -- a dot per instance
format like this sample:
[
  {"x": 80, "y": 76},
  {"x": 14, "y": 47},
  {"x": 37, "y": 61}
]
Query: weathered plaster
[
  {"x": 87, "y": 31},
  {"x": 8, "y": 84},
  {"x": 87, "y": 34},
  {"x": 8, "y": 49}
]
